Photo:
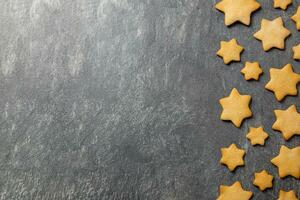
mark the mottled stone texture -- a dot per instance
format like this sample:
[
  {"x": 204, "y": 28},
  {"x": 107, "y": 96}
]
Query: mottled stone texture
[{"x": 118, "y": 100}]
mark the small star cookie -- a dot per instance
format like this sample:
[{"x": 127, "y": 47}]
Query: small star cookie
[
  {"x": 257, "y": 136},
  {"x": 296, "y": 50},
  {"x": 232, "y": 157},
  {"x": 287, "y": 122},
  {"x": 230, "y": 51},
  {"x": 288, "y": 162},
  {"x": 234, "y": 192},
  {"x": 296, "y": 18},
  {"x": 283, "y": 82},
  {"x": 283, "y": 4},
  {"x": 272, "y": 34},
  {"x": 236, "y": 107},
  {"x": 238, "y": 10},
  {"x": 263, "y": 180},
  {"x": 290, "y": 195},
  {"x": 252, "y": 70}
]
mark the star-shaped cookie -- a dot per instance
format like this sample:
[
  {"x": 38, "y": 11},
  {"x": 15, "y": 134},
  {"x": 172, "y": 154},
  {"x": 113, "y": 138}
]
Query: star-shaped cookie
[
  {"x": 236, "y": 107},
  {"x": 230, "y": 51},
  {"x": 283, "y": 82},
  {"x": 238, "y": 10},
  {"x": 252, "y": 70},
  {"x": 287, "y": 122},
  {"x": 283, "y": 4},
  {"x": 290, "y": 195},
  {"x": 272, "y": 34},
  {"x": 234, "y": 192},
  {"x": 232, "y": 157},
  {"x": 263, "y": 180},
  {"x": 296, "y": 18},
  {"x": 288, "y": 162},
  {"x": 257, "y": 136},
  {"x": 296, "y": 50}
]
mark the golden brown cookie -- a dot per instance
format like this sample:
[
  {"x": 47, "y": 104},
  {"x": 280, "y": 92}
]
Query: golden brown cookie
[
  {"x": 288, "y": 162},
  {"x": 230, "y": 51},
  {"x": 234, "y": 192},
  {"x": 252, "y": 70},
  {"x": 290, "y": 195},
  {"x": 237, "y": 10},
  {"x": 283, "y": 4},
  {"x": 235, "y": 107},
  {"x": 283, "y": 82},
  {"x": 296, "y": 18},
  {"x": 263, "y": 180},
  {"x": 272, "y": 34},
  {"x": 257, "y": 136},
  {"x": 232, "y": 157},
  {"x": 296, "y": 50},
  {"x": 287, "y": 122}
]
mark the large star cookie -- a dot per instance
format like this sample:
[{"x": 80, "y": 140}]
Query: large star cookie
[
  {"x": 296, "y": 18},
  {"x": 236, "y": 107},
  {"x": 263, "y": 180},
  {"x": 288, "y": 162},
  {"x": 272, "y": 34},
  {"x": 290, "y": 195},
  {"x": 283, "y": 82},
  {"x": 230, "y": 51},
  {"x": 234, "y": 192},
  {"x": 232, "y": 157},
  {"x": 257, "y": 136},
  {"x": 287, "y": 122},
  {"x": 237, "y": 10},
  {"x": 283, "y": 4},
  {"x": 252, "y": 70},
  {"x": 296, "y": 50}
]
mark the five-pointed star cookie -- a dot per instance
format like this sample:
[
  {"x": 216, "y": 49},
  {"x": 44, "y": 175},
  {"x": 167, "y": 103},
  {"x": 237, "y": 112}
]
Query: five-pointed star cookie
[
  {"x": 234, "y": 192},
  {"x": 288, "y": 162},
  {"x": 283, "y": 82},
  {"x": 257, "y": 136},
  {"x": 290, "y": 195},
  {"x": 296, "y": 50},
  {"x": 272, "y": 34},
  {"x": 263, "y": 180},
  {"x": 252, "y": 70},
  {"x": 283, "y": 4},
  {"x": 287, "y": 122},
  {"x": 236, "y": 107},
  {"x": 296, "y": 18},
  {"x": 237, "y": 10},
  {"x": 230, "y": 51},
  {"x": 232, "y": 157}
]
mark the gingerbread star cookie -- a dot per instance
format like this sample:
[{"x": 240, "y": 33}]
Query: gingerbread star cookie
[
  {"x": 296, "y": 50},
  {"x": 234, "y": 192},
  {"x": 235, "y": 107},
  {"x": 230, "y": 51},
  {"x": 290, "y": 195},
  {"x": 237, "y": 10},
  {"x": 263, "y": 180},
  {"x": 296, "y": 18},
  {"x": 272, "y": 34},
  {"x": 283, "y": 82},
  {"x": 287, "y": 122},
  {"x": 257, "y": 136},
  {"x": 283, "y": 4},
  {"x": 288, "y": 162},
  {"x": 232, "y": 157},
  {"x": 252, "y": 70}
]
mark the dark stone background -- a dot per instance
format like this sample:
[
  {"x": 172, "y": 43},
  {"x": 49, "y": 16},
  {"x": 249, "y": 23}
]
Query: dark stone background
[{"x": 118, "y": 100}]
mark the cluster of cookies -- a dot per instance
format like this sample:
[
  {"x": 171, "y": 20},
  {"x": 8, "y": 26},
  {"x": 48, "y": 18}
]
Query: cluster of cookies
[{"x": 283, "y": 82}]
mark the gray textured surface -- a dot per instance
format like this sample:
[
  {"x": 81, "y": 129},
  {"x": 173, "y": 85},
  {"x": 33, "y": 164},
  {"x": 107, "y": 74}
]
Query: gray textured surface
[{"x": 118, "y": 99}]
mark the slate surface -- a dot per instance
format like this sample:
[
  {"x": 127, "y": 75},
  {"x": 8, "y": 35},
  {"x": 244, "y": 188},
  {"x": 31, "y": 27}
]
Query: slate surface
[{"x": 118, "y": 99}]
